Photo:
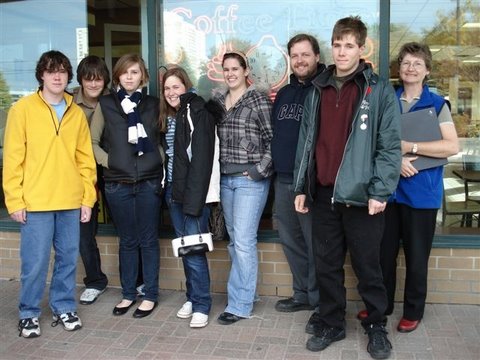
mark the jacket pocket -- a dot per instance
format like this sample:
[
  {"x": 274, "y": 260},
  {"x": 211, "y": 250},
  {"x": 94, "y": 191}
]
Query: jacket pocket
[{"x": 248, "y": 145}]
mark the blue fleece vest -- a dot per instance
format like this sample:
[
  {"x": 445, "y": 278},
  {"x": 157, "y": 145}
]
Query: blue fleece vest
[{"x": 424, "y": 190}]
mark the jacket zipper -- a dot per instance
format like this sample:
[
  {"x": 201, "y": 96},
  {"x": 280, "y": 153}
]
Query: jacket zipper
[
  {"x": 355, "y": 118},
  {"x": 307, "y": 177},
  {"x": 67, "y": 107}
]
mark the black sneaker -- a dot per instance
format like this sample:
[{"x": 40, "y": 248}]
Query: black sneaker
[
  {"x": 29, "y": 327},
  {"x": 378, "y": 346},
  {"x": 325, "y": 337},
  {"x": 314, "y": 324}
]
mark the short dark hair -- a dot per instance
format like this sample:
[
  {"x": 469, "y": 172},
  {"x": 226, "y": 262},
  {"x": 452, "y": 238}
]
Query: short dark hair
[
  {"x": 93, "y": 67},
  {"x": 350, "y": 25},
  {"x": 304, "y": 37},
  {"x": 52, "y": 60}
]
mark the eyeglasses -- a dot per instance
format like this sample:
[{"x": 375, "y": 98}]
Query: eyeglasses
[{"x": 415, "y": 65}]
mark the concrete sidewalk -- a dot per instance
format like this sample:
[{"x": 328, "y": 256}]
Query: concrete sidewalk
[{"x": 447, "y": 332}]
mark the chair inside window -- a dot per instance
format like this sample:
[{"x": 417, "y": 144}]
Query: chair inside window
[
  {"x": 455, "y": 204},
  {"x": 471, "y": 163}
]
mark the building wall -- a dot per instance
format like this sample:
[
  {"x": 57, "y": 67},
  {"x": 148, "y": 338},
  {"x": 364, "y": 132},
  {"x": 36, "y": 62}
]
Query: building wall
[{"x": 454, "y": 274}]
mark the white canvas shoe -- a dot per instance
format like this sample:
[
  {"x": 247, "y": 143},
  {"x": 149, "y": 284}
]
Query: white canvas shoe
[
  {"x": 89, "y": 296},
  {"x": 199, "y": 320},
  {"x": 141, "y": 290},
  {"x": 186, "y": 311}
]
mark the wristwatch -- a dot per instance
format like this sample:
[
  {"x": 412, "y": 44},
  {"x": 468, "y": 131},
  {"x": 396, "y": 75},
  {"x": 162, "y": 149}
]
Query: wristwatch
[{"x": 414, "y": 148}]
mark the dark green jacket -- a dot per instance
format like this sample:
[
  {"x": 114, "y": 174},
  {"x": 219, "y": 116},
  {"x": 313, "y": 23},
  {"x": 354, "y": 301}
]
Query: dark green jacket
[{"x": 371, "y": 162}]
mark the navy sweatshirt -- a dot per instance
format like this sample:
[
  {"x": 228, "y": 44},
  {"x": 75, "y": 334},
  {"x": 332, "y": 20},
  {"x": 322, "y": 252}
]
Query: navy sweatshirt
[{"x": 287, "y": 115}]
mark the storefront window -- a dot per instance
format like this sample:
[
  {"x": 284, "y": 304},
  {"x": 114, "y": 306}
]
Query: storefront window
[
  {"x": 77, "y": 28},
  {"x": 452, "y": 31},
  {"x": 196, "y": 34},
  {"x": 27, "y": 29}
]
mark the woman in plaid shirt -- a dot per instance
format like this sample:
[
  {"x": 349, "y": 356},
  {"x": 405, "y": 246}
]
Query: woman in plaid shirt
[{"x": 245, "y": 134}]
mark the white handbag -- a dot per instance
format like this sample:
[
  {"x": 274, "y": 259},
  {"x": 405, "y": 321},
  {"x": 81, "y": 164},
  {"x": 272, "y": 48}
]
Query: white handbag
[{"x": 192, "y": 244}]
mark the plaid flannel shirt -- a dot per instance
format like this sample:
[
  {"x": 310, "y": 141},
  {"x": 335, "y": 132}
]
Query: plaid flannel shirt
[{"x": 246, "y": 132}]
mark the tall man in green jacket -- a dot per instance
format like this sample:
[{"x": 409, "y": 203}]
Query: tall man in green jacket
[{"x": 347, "y": 165}]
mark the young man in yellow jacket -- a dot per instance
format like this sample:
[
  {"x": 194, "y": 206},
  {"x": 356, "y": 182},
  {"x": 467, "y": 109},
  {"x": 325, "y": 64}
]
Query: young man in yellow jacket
[{"x": 49, "y": 180}]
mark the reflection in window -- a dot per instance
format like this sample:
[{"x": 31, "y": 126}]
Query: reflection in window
[
  {"x": 452, "y": 30},
  {"x": 29, "y": 28},
  {"x": 195, "y": 35}
]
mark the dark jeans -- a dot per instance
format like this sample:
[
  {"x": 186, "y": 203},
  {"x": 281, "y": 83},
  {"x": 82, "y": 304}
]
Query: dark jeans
[
  {"x": 295, "y": 232},
  {"x": 90, "y": 254},
  {"x": 135, "y": 212},
  {"x": 334, "y": 231},
  {"x": 195, "y": 266},
  {"x": 416, "y": 228}
]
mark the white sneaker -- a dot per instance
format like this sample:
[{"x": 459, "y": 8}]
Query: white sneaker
[
  {"x": 89, "y": 296},
  {"x": 29, "y": 327},
  {"x": 70, "y": 321},
  {"x": 199, "y": 320},
  {"x": 141, "y": 290},
  {"x": 186, "y": 311}
]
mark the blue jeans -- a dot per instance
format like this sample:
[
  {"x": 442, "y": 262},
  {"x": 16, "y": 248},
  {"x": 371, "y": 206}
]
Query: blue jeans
[
  {"x": 42, "y": 230},
  {"x": 195, "y": 266},
  {"x": 243, "y": 201},
  {"x": 135, "y": 210}
]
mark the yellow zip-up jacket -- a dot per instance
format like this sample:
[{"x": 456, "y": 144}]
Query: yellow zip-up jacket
[{"x": 47, "y": 165}]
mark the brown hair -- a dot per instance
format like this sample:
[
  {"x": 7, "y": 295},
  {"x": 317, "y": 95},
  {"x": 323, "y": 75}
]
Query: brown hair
[
  {"x": 52, "y": 60},
  {"x": 122, "y": 66},
  {"x": 235, "y": 54},
  {"x": 165, "y": 109},
  {"x": 418, "y": 50},
  {"x": 304, "y": 37},
  {"x": 93, "y": 67},
  {"x": 350, "y": 25}
]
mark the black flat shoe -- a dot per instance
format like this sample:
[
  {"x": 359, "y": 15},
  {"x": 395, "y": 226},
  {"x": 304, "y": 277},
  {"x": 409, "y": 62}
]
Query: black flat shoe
[
  {"x": 142, "y": 313},
  {"x": 122, "y": 310},
  {"x": 227, "y": 319}
]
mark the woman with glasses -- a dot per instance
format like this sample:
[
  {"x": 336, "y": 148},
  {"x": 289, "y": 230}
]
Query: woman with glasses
[
  {"x": 412, "y": 211},
  {"x": 245, "y": 134}
]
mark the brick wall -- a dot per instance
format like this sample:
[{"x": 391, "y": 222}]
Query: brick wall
[{"x": 454, "y": 274}]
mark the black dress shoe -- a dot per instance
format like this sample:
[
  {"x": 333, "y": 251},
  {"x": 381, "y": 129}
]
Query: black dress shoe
[
  {"x": 292, "y": 305},
  {"x": 142, "y": 313},
  {"x": 226, "y": 318},
  {"x": 122, "y": 310}
]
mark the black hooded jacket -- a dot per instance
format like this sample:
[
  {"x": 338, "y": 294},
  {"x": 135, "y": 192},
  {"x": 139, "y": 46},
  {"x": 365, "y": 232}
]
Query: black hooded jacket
[
  {"x": 192, "y": 168},
  {"x": 287, "y": 115}
]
